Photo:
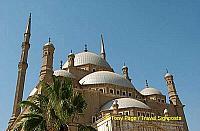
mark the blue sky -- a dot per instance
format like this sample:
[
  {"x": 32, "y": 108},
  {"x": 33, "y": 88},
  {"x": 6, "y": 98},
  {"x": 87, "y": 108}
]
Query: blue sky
[{"x": 148, "y": 35}]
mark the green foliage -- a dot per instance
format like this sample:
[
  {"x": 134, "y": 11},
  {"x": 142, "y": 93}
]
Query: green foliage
[
  {"x": 34, "y": 120},
  {"x": 54, "y": 108},
  {"x": 85, "y": 128}
]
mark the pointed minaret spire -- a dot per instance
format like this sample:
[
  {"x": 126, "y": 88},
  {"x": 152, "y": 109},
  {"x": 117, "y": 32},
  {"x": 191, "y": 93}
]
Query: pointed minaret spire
[
  {"x": 22, "y": 67},
  {"x": 103, "y": 52},
  {"x": 167, "y": 70},
  {"x": 27, "y": 33}
]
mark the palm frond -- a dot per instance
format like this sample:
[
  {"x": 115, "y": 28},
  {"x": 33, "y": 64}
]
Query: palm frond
[
  {"x": 32, "y": 124},
  {"x": 82, "y": 127},
  {"x": 53, "y": 108},
  {"x": 30, "y": 104}
]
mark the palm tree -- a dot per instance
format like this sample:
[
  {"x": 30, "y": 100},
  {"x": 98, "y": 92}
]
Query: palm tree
[
  {"x": 66, "y": 103},
  {"x": 54, "y": 109},
  {"x": 35, "y": 119}
]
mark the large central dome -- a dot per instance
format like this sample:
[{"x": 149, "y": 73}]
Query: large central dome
[
  {"x": 105, "y": 77},
  {"x": 88, "y": 58}
]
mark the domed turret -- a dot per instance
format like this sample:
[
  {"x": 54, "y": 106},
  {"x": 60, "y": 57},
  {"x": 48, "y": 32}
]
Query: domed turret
[
  {"x": 125, "y": 72},
  {"x": 115, "y": 107},
  {"x": 71, "y": 57},
  {"x": 49, "y": 43},
  {"x": 168, "y": 75},
  {"x": 173, "y": 96},
  {"x": 47, "y": 62}
]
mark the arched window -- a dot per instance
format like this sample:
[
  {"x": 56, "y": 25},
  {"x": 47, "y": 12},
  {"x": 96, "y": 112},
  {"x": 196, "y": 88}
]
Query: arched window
[
  {"x": 111, "y": 91},
  {"x": 124, "y": 93},
  {"x": 93, "y": 119},
  {"x": 101, "y": 90},
  {"x": 118, "y": 92}
]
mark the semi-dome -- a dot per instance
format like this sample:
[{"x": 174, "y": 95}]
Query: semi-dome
[
  {"x": 150, "y": 91},
  {"x": 105, "y": 77},
  {"x": 88, "y": 58},
  {"x": 63, "y": 73},
  {"x": 124, "y": 103}
]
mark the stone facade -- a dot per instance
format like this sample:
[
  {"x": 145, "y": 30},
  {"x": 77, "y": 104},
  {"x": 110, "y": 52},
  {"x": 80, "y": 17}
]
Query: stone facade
[{"x": 126, "y": 125}]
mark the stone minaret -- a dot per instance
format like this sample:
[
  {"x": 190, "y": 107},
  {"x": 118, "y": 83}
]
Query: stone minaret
[
  {"x": 125, "y": 72},
  {"x": 22, "y": 66},
  {"x": 173, "y": 96},
  {"x": 46, "y": 72},
  {"x": 174, "y": 99},
  {"x": 103, "y": 52}
]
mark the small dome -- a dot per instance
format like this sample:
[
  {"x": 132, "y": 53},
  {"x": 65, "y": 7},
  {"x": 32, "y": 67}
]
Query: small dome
[
  {"x": 88, "y": 58},
  {"x": 63, "y": 73},
  {"x": 124, "y": 103},
  {"x": 150, "y": 91},
  {"x": 167, "y": 75},
  {"x": 124, "y": 66},
  {"x": 105, "y": 77},
  {"x": 49, "y": 43},
  {"x": 70, "y": 54}
]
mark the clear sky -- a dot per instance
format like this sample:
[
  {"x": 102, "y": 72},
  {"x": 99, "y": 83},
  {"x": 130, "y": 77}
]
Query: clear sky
[{"x": 148, "y": 35}]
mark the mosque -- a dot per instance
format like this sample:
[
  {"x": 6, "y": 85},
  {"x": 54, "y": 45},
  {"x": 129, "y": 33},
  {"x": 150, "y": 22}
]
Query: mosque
[{"x": 113, "y": 102}]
